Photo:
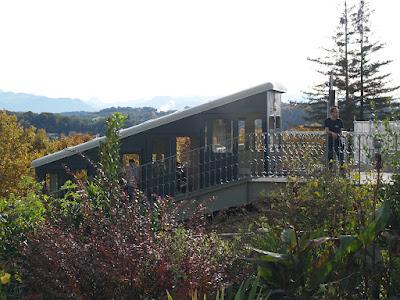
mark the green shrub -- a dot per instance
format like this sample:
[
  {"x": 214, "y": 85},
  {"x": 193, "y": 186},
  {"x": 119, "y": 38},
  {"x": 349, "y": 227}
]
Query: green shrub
[
  {"x": 19, "y": 216},
  {"x": 329, "y": 203}
]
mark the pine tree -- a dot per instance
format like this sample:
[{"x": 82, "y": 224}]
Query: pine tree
[
  {"x": 372, "y": 93},
  {"x": 335, "y": 63},
  {"x": 361, "y": 88}
]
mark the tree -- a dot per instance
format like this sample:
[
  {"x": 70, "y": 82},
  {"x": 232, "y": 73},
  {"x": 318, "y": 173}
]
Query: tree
[
  {"x": 372, "y": 93},
  {"x": 110, "y": 159},
  {"x": 361, "y": 87},
  {"x": 41, "y": 142},
  {"x": 334, "y": 63},
  {"x": 62, "y": 143},
  {"x": 15, "y": 153}
]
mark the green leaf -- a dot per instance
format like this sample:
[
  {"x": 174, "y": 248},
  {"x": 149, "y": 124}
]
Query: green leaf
[
  {"x": 194, "y": 296},
  {"x": 240, "y": 293},
  {"x": 266, "y": 273},
  {"x": 288, "y": 236},
  {"x": 320, "y": 241},
  {"x": 270, "y": 256},
  {"x": 253, "y": 291}
]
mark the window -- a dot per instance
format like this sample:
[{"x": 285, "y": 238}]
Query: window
[
  {"x": 182, "y": 148},
  {"x": 258, "y": 135},
  {"x": 81, "y": 175},
  {"x": 130, "y": 156},
  {"x": 51, "y": 182},
  {"x": 222, "y": 136},
  {"x": 241, "y": 134},
  {"x": 274, "y": 104},
  {"x": 274, "y": 123},
  {"x": 157, "y": 157}
]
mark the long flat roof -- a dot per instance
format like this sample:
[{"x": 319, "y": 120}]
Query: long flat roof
[{"x": 153, "y": 123}]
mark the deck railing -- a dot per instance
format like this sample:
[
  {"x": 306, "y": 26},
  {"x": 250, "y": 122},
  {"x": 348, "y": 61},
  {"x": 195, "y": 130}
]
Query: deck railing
[{"x": 272, "y": 154}]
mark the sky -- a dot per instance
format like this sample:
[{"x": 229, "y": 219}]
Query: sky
[{"x": 126, "y": 51}]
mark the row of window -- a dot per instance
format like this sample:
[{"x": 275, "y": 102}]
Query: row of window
[{"x": 223, "y": 135}]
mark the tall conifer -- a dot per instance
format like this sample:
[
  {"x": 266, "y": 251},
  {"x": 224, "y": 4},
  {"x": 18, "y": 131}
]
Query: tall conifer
[
  {"x": 361, "y": 87},
  {"x": 372, "y": 94}
]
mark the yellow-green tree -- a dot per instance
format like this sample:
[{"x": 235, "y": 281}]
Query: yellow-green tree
[
  {"x": 19, "y": 147},
  {"x": 15, "y": 154},
  {"x": 64, "y": 142},
  {"x": 40, "y": 142}
]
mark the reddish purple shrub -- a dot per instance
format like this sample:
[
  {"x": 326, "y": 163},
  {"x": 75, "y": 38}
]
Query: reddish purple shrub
[{"x": 130, "y": 251}]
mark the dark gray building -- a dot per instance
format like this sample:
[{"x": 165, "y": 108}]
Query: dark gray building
[{"x": 215, "y": 134}]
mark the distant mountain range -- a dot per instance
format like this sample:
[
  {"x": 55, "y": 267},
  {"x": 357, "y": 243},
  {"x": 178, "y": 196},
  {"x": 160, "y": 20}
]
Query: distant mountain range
[
  {"x": 21, "y": 102},
  {"x": 64, "y": 115}
]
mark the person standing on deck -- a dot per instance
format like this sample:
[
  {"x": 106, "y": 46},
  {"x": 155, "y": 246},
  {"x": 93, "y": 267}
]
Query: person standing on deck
[{"x": 333, "y": 127}]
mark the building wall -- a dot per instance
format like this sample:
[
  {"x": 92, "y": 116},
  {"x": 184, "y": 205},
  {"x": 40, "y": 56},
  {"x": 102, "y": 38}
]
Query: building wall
[{"x": 162, "y": 139}]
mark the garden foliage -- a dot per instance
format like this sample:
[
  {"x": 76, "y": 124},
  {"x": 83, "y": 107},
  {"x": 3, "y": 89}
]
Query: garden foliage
[
  {"x": 97, "y": 244},
  {"x": 327, "y": 237}
]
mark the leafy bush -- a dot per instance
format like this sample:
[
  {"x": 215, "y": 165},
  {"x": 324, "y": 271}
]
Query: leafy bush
[
  {"x": 332, "y": 204},
  {"x": 307, "y": 265},
  {"x": 19, "y": 216},
  {"x": 96, "y": 243},
  {"x": 124, "y": 255}
]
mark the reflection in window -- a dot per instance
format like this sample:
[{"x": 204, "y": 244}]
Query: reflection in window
[
  {"x": 241, "y": 134},
  {"x": 274, "y": 105},
  {"x": 278, "y": 122},
  {"x": 51, "y": 182},
  {"x": 157, "y": 157},
  {"x": 182, "y": 149},
  {"x": 274, "y": 123},
  {"x": 222, "y": 136},
  {"x": 130, "y": 156},
  {"x": 81, "y": 175},
  {"x": 258, "y": 135}
]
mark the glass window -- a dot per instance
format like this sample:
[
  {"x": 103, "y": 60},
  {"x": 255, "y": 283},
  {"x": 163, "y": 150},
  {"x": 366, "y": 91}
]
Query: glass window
[
  {"x": 274, "y": 123},
  {"x": 130, "y": 156},
  {"x": 222, "y": 136},
  {"x": 258, "y": 135},
  {"x": 182, "y": 148},
  {"x": 157, "y": 157},
  {"x": 241, "y": 134},
  {"x": 51, "y": 182},
  {"x": 81, "y": 175},
  {"x": 274, "y": 104}
]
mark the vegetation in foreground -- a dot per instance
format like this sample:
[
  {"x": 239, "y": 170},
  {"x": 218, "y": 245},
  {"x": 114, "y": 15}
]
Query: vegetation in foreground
[{"x": 327, "y": 238}]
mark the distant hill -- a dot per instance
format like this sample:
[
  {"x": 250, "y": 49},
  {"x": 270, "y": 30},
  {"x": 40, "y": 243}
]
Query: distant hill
[
  {"x": 65, "y": 115},
  {"x": 85, "y": 122},
  {"x": 22, "y": 102},
  {"x": 293, "y": 114},
  {"x": 94, "y": 122}
]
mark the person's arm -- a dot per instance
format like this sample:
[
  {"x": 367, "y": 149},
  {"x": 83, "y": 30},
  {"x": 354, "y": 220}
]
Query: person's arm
[{"x": 331, "y": 133}]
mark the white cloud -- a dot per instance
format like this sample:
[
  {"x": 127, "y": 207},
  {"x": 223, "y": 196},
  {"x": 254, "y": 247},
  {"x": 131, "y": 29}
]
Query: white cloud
[{"x": 169, "y": 106}]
